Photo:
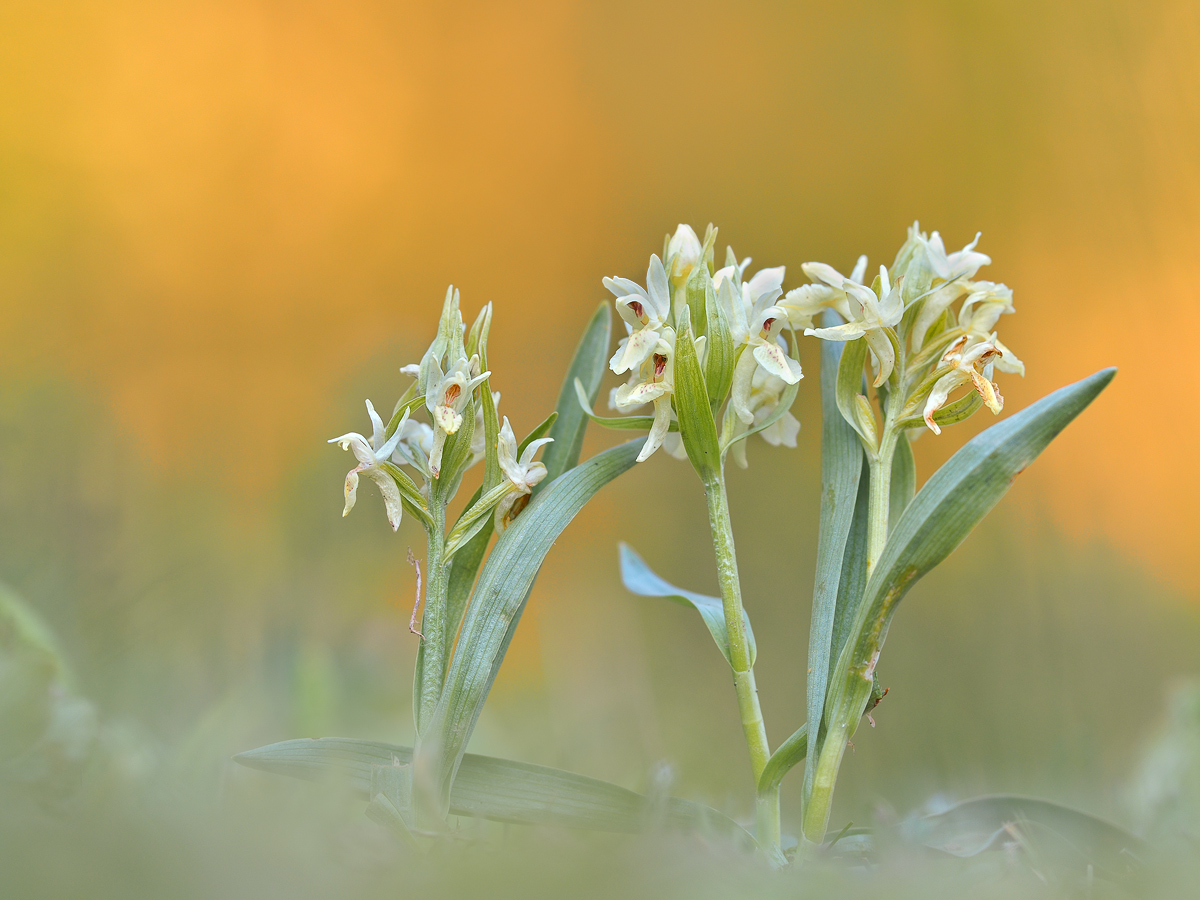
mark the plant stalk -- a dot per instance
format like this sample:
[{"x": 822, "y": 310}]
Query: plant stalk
[
  {"x": 432, "y": 656},
  {"x": 844, "y": 719},
  {"x": 767, "y": 805}
]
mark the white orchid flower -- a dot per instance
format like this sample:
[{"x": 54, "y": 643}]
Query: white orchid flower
[
  {"x": 766, "y": 392},
  {"x": 827, "y": 291},
  {"x": 447, "y": 402},
  {"x": 968, "y": 364},
  {"x": 870, "y": 317},
  {"x": 522, "y": 474},
  {"x": 754, "y": 323},
  {"x": 416, "y": 444},
  {"x": 370, "y": 454},
  {"x": 984, "y": 306},
  {"x": 955, "y": 271},
  {"x": 654, "y": 381},
  {"x": 644, "y": 311}
]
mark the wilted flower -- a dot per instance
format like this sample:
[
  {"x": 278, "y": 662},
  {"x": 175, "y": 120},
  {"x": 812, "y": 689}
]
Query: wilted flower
[
  {"x": 870, "y": 317},
  {"x": 370, "y": 454},
  {"x": 967, "y": 365},
  {"x": 521, "y": 473},
  {"x": 644, "y": 311},
  {"x": 954, "y": 271}
]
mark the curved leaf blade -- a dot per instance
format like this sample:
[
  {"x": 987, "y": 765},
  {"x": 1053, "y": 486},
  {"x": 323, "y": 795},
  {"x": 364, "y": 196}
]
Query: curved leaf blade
[
  {"x": 640, "y": 579},
  {"x": 588, "y": 365},
  {"x": 498, "y": 789},
  {"x": 842, "y": 466},
  {"x": 495, "y": 609},
  {"x": 941, "y": 516}
]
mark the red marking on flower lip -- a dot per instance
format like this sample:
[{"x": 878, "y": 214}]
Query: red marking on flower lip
[
  {"x": 638, "y": 309},
  {"x": 660, "y": 364},
  {"x": 452, "y": 393},
  {"x": 766, "y": 326}
]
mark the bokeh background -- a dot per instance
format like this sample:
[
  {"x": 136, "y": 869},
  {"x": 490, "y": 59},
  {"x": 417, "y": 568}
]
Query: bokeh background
[{"x": 224, "y": 224}]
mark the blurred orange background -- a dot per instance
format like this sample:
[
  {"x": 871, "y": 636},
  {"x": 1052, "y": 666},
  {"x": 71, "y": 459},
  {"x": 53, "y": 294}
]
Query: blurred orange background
[{"x": 222, "y": 224}]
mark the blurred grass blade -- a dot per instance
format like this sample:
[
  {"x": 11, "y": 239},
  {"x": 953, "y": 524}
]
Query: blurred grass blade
[
  {"x": 941, "y": 516},
  {"x": 1059, "y": 837},
  {"x": 588, "y": 365},
  {"x": 497, "y": 789},
  {"x": 904, "y": 480},
  {"x": 495, "y": 609},
  {"x": 640, "y": 579},
  {"x": 842, "y": 465}
]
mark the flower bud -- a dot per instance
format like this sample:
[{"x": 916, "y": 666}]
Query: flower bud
[{"x": 684, "y": 253}]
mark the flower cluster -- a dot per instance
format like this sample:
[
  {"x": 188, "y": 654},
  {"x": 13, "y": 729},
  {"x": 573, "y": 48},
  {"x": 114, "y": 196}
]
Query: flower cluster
[
  {"x": 449, "y": 385},
  {"x": 733, "y": 325},
  {"x": 922, "y": 349}
]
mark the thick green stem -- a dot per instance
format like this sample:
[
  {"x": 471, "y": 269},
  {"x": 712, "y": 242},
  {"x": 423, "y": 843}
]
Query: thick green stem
[
  {"x": 767, "y": 810},
  {"x": 431, "y": 660}
]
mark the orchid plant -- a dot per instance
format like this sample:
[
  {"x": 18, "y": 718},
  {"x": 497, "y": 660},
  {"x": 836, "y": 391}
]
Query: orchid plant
[{"x": 710, "y": 358}]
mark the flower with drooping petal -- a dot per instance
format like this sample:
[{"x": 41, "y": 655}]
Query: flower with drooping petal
[
  {"x": 967, "y": 364},
  {"x": 644, "y": 311},
  {"x": 447, "y": 401},
  {"x": 522, "y": 474},
  {"x": 871, "y": 316},
  {"x": 766, "y": 392},
  {"x": 827, "y": 291},
  {"x": 416, "y": 444},
  {"x": 370, "y": 454},
  {"x": 983, "y": 307},
  {"x": 654, "y": 381},
  {"x": 754, "y": 323}
]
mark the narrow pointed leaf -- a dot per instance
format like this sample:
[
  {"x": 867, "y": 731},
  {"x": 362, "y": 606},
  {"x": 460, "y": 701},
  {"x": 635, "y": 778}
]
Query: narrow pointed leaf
[
  {"x": 617, "y": 423},
  {"x": 849, "y": 386},
  {"x": 496, "y": 606},
  {"x": 640, "y": 579},
  {"x": 940, "y": 517},
  {"x": 498, "y": 789},
  {"x": 588, "y": 365},
  {"x": 841, "y": 467}
]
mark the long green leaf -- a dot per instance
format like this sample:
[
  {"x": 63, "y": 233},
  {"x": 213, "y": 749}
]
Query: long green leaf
[
  {"x": 841, "y": 467},
  {"x": 940, "y": 517},
  {"x": 496, "y": 607},
  {"x": 588, "y": 366},
  {"x": 786, "y": 755},
  {"x": 849, "y": 387},
  {"x": 1057, "y": 836},
  {"x": 640, "y": 579},
  {"x": 497, "y": 789}
]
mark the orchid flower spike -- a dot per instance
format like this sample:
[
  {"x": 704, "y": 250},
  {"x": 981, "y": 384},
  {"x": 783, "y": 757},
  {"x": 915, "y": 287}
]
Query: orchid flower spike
[
  {"x": 644, "y": 311},
  {"x": 370, "y": 455},
  {"x": 967, "y": 364},
  {"x": 827, "y": 291},
  {"x": 871, "y": 316},
  {"x": 522, "y": 474},
  {"x": 754, "y": 323},
  {"x": 653, "y": 382},
  {"x": 954, "y": 270}
]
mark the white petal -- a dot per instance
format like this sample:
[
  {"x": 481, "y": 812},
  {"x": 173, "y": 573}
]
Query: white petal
[
  {"x": 766, "y": 280},
  {"x": 351, "y": 491},
  {"x": 624, "y": 287},
  {"x": 851, "y": 331},
  {"x": 658, "y": 431},
  {"x": 828, "y": 274},
  {"x": 391, "y": 494},
  {"x": 637, "y": 348},
  {"x": 532, "y": 449},
  {"x": 858, "y": 274},
  {"x": 884, "y": 352},
  {"x": 657, "y": 289},
  {"x": 772, "y": 358},
  {"x": 739, "y": 392}
]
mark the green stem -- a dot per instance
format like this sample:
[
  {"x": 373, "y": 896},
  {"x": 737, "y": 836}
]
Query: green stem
[
  {"x": 767, "y": 807},
  {"x": 844, "y": 718},
  {"x": 431, "y": 659}
]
